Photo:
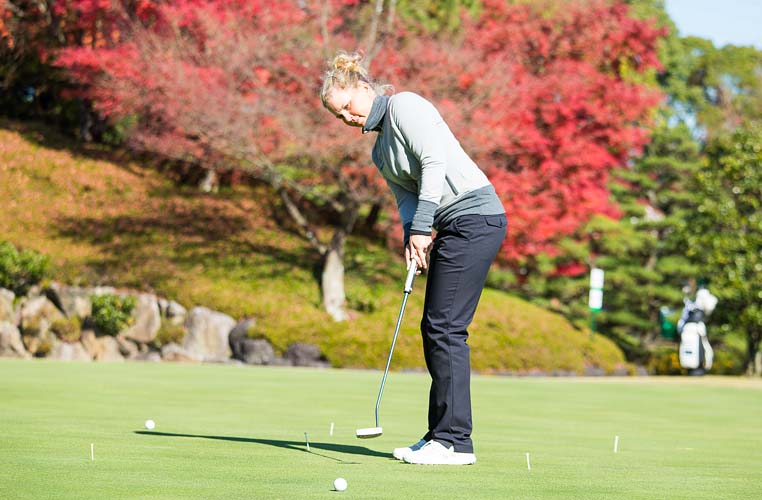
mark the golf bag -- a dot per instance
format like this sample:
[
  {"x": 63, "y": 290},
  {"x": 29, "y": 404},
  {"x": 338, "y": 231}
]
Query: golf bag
[{"x": 696, "y": 353}]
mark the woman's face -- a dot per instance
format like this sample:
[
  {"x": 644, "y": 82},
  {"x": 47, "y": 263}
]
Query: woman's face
[{"x": 352, "y": 105}]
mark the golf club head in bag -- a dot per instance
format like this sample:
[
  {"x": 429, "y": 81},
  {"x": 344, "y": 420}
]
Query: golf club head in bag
[{"x": 373, "y": 432}]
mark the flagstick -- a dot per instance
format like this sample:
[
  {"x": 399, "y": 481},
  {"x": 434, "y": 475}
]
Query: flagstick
[
  {"x": 92, "y": 452},
  {"x": 529, "y": 466},
  {"x": 307, "y": 441},
  {"x": 331, "y": 433},
  {"x": 616, "y": 444}
]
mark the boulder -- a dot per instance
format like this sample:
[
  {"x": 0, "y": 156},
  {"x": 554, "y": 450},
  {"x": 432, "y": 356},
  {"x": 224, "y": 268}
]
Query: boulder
[
  {"x": 149, "y": 356},
  {"x": 109, "y": 349},
  {"x": 147, "y": 319},
  {"x": 257, "y": 352},
  {"x": 303, "y": 354},
  {"x": 73, "y": 301},
  {"x": 65, "y": 351},
  {"x": 10, "y": 341},
  {"x": 90, "y": 343},
  {"x": 176, "y": 352},
  {"x": 172, "y": 311},
  {"x": 6, "y": 305},
  {"x": 253, "y": 351},
  {"x": 103, "y": 290},
  {"x": 128, "y": 348},
  {"x": 208, "y": 332},
  {"x": 36, "y": 315}
]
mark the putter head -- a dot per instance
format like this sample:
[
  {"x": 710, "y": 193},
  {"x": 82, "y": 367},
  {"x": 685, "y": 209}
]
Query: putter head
[{"x": 369, "y": 432}]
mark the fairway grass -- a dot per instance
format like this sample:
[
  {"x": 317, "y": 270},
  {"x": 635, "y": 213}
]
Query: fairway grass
[{"x": 237, "y": 432}]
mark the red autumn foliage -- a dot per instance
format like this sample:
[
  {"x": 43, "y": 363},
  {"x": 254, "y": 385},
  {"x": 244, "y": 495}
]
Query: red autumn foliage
[
  {"x": 539, "y": 97},
  {"x": 543, "y": 105}
]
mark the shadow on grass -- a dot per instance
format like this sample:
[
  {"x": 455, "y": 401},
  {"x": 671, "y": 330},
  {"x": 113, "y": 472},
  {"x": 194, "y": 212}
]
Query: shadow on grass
[{"x": 289, "y": 445}]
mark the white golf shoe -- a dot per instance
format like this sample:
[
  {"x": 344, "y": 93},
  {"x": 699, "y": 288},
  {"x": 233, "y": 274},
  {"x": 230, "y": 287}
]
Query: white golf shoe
[
  {"x": 434, "y": 453},
  {"x": 401, "y": 452}
]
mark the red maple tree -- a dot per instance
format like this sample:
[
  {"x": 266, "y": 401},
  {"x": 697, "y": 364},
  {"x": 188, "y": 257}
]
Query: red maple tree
[{"x": 540, "y": 97}]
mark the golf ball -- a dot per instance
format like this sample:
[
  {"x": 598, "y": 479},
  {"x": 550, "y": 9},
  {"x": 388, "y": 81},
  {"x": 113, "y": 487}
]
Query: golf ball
[
  {"x": 340, "y": 484},
  {"x": 150, "y": 424}
]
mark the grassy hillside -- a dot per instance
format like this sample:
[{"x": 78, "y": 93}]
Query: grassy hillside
[{"x": 105, "y": 219}]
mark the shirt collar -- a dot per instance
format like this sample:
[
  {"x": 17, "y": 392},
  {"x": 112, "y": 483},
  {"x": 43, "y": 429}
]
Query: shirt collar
[{"x": 376, "y": 115}]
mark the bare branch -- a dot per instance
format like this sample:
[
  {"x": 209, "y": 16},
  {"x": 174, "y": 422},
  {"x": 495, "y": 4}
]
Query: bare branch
[
  {"x": 370, "y": 42},
  {"x": 301, "y": 221},
  {"x": 390, "y": 15}
]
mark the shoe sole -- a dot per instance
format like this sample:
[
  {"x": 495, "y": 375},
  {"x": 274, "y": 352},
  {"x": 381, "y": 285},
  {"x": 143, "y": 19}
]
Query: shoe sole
[{"x": 467, "y": 461}]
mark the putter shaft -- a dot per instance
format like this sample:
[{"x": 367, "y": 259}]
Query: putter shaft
[{"x": 407, "y": 290}]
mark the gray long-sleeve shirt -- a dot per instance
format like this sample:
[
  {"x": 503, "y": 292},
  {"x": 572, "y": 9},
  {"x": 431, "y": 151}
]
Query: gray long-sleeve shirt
[{"x": 432, "y": 178}]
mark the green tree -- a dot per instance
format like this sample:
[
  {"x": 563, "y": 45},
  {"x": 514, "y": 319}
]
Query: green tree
[
  {"x": 645, "y": 252},
  {"x": 435, "y": 15},
  {"x": 642, "y": 251},
  {"x": 725, "y": 232},
  {"x": 724, "y": 85}
]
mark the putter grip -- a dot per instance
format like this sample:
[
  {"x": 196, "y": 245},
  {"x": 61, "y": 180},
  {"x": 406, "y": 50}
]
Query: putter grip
[{"x": 410, "y": 276}]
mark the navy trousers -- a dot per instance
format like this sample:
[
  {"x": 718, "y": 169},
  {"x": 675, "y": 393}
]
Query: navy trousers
[{"x": 460, "y": 258}]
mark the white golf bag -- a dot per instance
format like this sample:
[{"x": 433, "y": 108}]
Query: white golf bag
[{"x": 696, "y": 353}]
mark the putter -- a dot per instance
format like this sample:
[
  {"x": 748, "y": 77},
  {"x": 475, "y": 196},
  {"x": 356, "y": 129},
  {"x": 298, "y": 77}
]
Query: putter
[{"x": 373, "y": 432}]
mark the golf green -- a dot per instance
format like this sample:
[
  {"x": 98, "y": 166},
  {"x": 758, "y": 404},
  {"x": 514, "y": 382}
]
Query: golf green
[{"x": 238, "y": 432}]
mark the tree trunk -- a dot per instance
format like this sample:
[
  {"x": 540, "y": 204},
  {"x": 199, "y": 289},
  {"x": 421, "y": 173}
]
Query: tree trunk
[
  {"x": 752, "y": 354},
  {"x": 332, "y": 255},
  {"x": 332, "y": 278}
]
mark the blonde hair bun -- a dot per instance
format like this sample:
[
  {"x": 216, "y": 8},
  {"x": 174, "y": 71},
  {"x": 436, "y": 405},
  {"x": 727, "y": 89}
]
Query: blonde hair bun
[{"x": 349, "y": 64}]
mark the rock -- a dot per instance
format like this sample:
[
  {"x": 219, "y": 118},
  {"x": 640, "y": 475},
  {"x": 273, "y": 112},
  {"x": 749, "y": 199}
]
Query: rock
[
  {"x": 172, "y": 311},
  {"x": 594, "y": 371},
  {"x": 208, "y": 332},
  {"x": 149, "y": 356},
  {"x": 302, "y": 354},
  {"x": 103, "y": 290},
  {"x": 128, "y": 348},
  {"x": 253, "y": 351},
  {"x": 90, "y": 343},
  {"x": 109, "y": 349},
  {"x": 6, "y": 305},
  {"x": 73, "y": 301},
  {"x": 65, "y": 351},
  {"x": 621, "y": 371},
  {"x": 10, "y": 341},
  {"x": 40, "y": 345},
  {"x": 257, "y": 352},
  {"x": 36, "y": 315},
  {"x": 175, "y": 352},
  {"x": 147, "y": 319}
]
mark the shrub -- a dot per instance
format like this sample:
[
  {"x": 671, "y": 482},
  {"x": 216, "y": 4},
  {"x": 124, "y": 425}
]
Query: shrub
[
  {"x": 664, "y": 360},
  {"x": 19, "y": 271},
  {"x": 67, "y": 329},
  {"x": 112, "y": 313},
  {"x": 169, "y": 332}
]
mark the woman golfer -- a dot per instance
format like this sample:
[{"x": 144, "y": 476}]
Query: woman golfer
[{"x": 437, "y": 187}]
